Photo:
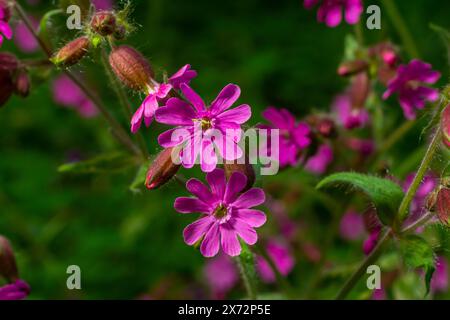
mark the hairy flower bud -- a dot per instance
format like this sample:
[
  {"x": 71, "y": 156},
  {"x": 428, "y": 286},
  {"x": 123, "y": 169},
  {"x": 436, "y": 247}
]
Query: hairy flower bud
[
  {"x": 72, "y": 52},
  {"x": 104, "y": 23},
  {"x": 443, "y": 205},
  {"x": 352, "y": 67},
  {"x": 161, "y": 170},
  {"x": 245, "y": 168},
  {"x": 8, "y": 267},
  {"x": 326, "y": 128},
  {"x": 22, "y": 84},
  {"x": 131, "y": 67},
  {"x": 445, "y": 124}
]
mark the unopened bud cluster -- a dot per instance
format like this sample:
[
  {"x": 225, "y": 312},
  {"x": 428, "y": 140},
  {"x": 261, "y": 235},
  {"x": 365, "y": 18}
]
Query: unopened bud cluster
[{"x": 14, "y": 78}]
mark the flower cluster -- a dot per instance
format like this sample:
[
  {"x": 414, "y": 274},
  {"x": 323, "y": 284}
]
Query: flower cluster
[{"x": 330, "y": 11}]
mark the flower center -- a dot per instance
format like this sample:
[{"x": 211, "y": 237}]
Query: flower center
[
  {"x": 205, "y": 123},
  {"x": 221, "y": 213}
]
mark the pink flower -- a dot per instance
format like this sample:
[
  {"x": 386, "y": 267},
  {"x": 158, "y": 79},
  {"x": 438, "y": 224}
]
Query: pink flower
[
  {"x": 226, "y": 213},
  {"x": 5, "y": 29},
  {"x": 330, "y": 11},
  {"x": 102, "y": 4},
  {"x": 348, "y": 116},
  {"x": 408, "y": 84},
  {"x": 439, "y": 281},
  {"x": 282, "y": 259},
  {"x": 294, "y": 137},
  {"x": 67, "y": 93},
  {"x": 158, "y": 92},
  {"x": 24, "y": 39},
  {"x": 15, "y": 291},
  {"x": 203, "y": 129},
  {"x": 352, "y": 226},
  {"x": 319, "y": 162},
  {"x": 223, "y": 266}
]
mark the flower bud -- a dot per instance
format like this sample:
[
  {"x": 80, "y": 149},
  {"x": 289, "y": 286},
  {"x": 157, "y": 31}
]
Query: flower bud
[
  {"x": 131, "y": 67},
  {"x": 22, "y": 84},
  {"x": 352, "y": 67},
  {"x": 161, "y": 170},
  {"x": 445, "y": 124},
  {"x": 245, "y": 168},
  {"x": 103, "y": 23},
  {"x": 326, "y": 128},
  {"x": 443, "y": 205},
  {"x": 359, "y": 90},
  {"x": 8, "y": 267},
  {"x": 5, "y": 8},
  {"x": 72, "y": 52}
]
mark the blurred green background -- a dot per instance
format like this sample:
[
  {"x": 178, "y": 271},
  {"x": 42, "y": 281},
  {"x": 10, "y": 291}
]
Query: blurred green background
[{"x": 131, "y": 244}]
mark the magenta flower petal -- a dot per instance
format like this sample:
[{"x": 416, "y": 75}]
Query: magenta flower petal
[
  {"x": 352, "y": 226},
  {"x": 136, "y": 119},
  {"x": 150, "y": 105},
  {"x": 15, "y": 291},
  {"x": 199, "y": 190},
  {"x": 235, "y": 184},
  {"x": 281, "y": 258},
  {"x": 24, "y": 39},
  {"x": 209, "y": 158},
  {"x": 275, "y": 116},
  {"x": 353, "y": 10},
  {"x": 229, "y": 275},
  {"x": 193, "y": 232},
  {"x": 225, "y": 99},
  {"x": 251, "y": 198},
  {"x": 190, "y": 205},
  {"x": 210, "y": 244},
  {"x": 228, "y": 148},
  {"x": 244, "y": 230},
  {"x": 176, "y": 112},
  {"x": 163, "y": 90},
  {"x": 6, "y": 30},
  {"x": 319, "y": 163},
  {"x": 184, "y": 75},
  {"x": 191, "y": 150},
  {"x": 173, "y": 137},
  {"x": 217, "y": 182},
  {"x": 193, "y": 97},
  {"x": 229, "y": 240},
  {"x": 255, "y": 218},
  {"x": 238, "y": 115}
]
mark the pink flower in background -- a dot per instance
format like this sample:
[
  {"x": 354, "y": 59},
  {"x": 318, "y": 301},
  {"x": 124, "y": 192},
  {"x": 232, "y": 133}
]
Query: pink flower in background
[
  {"x": 5, "y": 29},
  {"x": 199, "y": 126},
  {"x": 15, "y": 291},
  {"x": 221, "y": 274},
  {"x": 23, "y": 38},
  {"x": 103, "y": 4},
  {"x": 363, "y": 146},
  {"x": 371, "y": 242},
  {"x": 439, "y": 281},
  {"x": 294, "y": 136},
  {"x": 67, "y": 93},
  {"x": 417, "y": 207},
  {"x": 227, "y": 214},
  {"x": 352, "y": 226},
  {"x": 158, "y": 92},
  {"x": 408, "y": 83},
  {"x": 379, "y": 294},
  {"x": 330, "y": 11},
  {"x": 348, "y": 116},
  {"x": 281, "y": 257},
  {"x": 319, "y": 162}
]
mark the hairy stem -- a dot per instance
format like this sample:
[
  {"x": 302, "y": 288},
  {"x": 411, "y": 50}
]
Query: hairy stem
[
  {"x": 401, "y": 27},
  {"x": 371, "y": 258},
  {"x": 247, "y": 277},
  {"x": 118, "y": 130}
]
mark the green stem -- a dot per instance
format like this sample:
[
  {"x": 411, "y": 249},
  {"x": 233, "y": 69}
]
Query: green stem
[
  {"x": 247, "y": 277},
  {"x": 118, "y": 131},
  {"x": 370, "y": 259},
  {"x": 401, "y": 27},
  {"x": 120, "y": 92}
]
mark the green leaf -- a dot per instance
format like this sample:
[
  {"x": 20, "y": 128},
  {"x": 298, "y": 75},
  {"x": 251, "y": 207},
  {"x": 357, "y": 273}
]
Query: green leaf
[
  {"x": 112, "y": 162},
  {"x": 385, "y": 194},
  {"x": 418, "y": 253}
]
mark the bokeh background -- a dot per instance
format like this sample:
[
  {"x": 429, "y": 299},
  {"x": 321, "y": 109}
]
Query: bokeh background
[{"x": 130, "y": 244}]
